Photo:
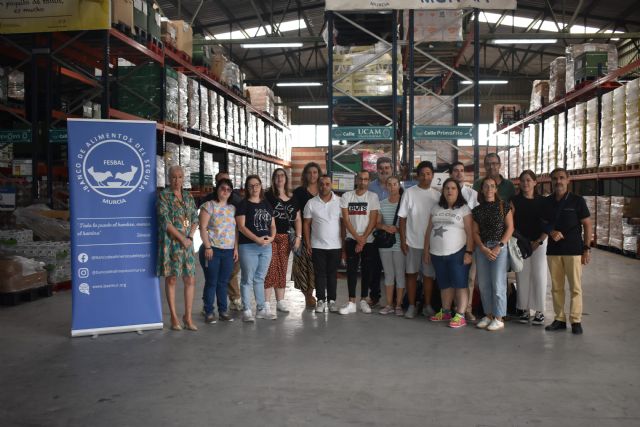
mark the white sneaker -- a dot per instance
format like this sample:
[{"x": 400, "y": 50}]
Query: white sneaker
[
  {"x": 428, "y": 311},
  {"x": 495, "y": 325},
  {"x": 266, "y": 313},
  {"x": 282, "y": 306},
  {"x": 321, "y": 306},
  {"x": 364, "y": 306},
  {"x": 333, "y": 307},
  {"x": 411, "y": 312},
  {"x": 348, "y": 308},
  {"x": 247, "y": 316},
  {"x": 483, "y": 323}
]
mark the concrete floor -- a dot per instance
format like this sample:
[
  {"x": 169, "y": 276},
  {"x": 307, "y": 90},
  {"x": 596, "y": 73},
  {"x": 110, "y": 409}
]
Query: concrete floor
[{"x": 329, "y": 370}]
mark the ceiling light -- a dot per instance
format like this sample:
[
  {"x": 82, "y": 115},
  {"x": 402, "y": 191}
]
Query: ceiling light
[
  {"x": 312, "y": 107},
  {"x": 468, "y": 105},
  {"x": 294, "y": 84},
  {"x": 486, "y": 82},
  {"x": 523, "y": 41},
  {"x": 269, "y": 45}
]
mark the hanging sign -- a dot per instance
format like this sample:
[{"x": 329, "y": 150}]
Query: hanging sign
[
  {"x": 418, "y": 4},
  {"x": 442, "y": 132},
  {"x": 39, "y": 16},
  {"x": 112, "y": 182},
  {"x": 362, "y": 133}
]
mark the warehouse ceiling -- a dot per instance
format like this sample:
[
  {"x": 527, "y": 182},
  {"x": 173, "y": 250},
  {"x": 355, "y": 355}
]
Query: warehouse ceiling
[{"x": 225, "y": 19}]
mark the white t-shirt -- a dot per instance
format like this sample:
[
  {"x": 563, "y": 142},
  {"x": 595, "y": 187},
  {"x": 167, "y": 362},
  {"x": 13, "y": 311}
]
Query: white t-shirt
[
  {"x": 325, "y": 222},
  {"x": 470, "y": 195},
  {"x": 416, "y": 207},
  {"x": 448, "y": 235},
  {"x": 360, "y": 208}
]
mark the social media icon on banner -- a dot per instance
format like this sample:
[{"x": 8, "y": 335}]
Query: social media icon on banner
[
  {"x": 83, "y": 273},
  {"x": 83, "y": 257},
  {"x": 84, "y": 288}
]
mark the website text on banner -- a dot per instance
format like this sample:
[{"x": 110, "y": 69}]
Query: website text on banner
[
  {"x": 418, "y": 4},
  {"x": 112, "y": 182}
]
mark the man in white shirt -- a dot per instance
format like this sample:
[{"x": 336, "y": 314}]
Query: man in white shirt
[
  {"x": 323, "y": 235},
  {"x": 471, "y": 196},
  {"x": 360, "y": 209},
  {"x": 414, "y": 213}
]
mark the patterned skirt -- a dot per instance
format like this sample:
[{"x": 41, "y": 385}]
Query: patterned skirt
[
  {"x": 302, "y": 272},
  {"x": 277, "y": 274}
]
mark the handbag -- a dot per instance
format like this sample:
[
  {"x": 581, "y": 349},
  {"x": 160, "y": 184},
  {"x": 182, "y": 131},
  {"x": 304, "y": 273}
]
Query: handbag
[
  {"x": 291, "y": 233},
  {"x": 516, "y": 260},
  {"x": 383, "y": 239}
]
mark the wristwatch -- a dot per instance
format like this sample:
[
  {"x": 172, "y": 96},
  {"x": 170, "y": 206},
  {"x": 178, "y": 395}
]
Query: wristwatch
[
  {"x": 189, "y": 237},
  {"x": 540, "y": 242},
  {"x": 586, "y": 248},
  {"x": 501, "y": 244},
  {"x": 468, "y": 252}
]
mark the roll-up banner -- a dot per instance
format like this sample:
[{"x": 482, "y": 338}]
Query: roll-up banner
[
  {"x": 112, "y": 183},
  {"x": 418, "y": 4},
  {"x": 39, "y": 16}
]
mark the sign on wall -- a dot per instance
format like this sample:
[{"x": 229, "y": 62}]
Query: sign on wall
[
  {"x": 112, "y": 182},
  {"x": 38, "y": 16}
]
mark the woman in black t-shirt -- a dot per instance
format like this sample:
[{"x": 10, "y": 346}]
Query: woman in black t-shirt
[
  {"x": 287, "y": 216},
  {"x": 254, "y": 218},
  {"x": 532, "y": 280},
  {"x": 302, "y": 271},
  {"x": 492, "y": 229}
]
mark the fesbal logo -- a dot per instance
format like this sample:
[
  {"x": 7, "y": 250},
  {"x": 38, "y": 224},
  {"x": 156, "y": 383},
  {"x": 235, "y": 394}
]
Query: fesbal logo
[{"x": 112, "y": 165}]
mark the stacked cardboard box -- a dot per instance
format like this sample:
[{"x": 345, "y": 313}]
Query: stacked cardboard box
[
  {"x": 557, "y": 78},
  {"x": 374, "y": 75},
  {"x": 591, "y": 205},
  {"x": 222, "y": 118},
  {"x": 618, "y": 139},
  {"x": 261, "y": 98},
  {"x": 436, "y": 25},
  {"x": 632, "y": 101},
  {"x": 549, "y": 144},
  {"x": 606, "y": 129},
  {"x": 55, "y": 256},
  {"x": 539, "y": 94},
  {"x": 602, "y": 227},
  {"x": 591, "y": 134},
  {"x": 160, "y": 172},
  {"x": 213, "y": 113},
  {"x": 615, "y": 222},
  {"x": 432, "y": 110},
  {"x": 561, "y": 145},
  {"x": 579, "y": 136},
  {"x": 178, "y": 33}
]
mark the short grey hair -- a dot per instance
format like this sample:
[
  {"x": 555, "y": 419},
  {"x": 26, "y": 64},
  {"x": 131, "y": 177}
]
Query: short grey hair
[{"x": 175, "y": 168}]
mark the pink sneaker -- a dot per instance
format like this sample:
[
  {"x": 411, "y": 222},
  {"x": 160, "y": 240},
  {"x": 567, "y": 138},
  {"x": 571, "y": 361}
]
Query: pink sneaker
[
  {"x": 457, "y": 321},
  {"x": 440, "y": 316}
]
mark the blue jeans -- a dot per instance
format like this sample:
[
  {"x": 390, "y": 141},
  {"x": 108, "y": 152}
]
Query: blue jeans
[
  {"x": 254, "y": 264},
  {"x": 217, "y": 272},
  {"x": 492, "y": 281},
  {"x": 450, "y": 270}
]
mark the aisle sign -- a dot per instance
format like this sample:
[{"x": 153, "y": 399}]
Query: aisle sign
[
  {"x": 418, "y": 4},
  {"x": 362, "y": 133},
  {"x": 442, "y": 132},
  {"x": 341, "y": 181},
  {"x": 112, "y": 182},
  {"x": 39, "y": 16}
]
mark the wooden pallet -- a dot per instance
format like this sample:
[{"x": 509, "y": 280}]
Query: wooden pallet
[{"x": 27, "y": 295}]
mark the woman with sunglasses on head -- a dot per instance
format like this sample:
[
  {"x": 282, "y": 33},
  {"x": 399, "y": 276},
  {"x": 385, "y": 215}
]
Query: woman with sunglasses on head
[
  {"x": 287, "y": 216},
  {"x": 257, "y": 229},
  {"x": 219, "y": 249}
]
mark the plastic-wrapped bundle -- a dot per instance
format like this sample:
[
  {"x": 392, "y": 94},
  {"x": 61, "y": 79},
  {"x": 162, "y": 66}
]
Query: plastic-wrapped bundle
[
  {"x": 261, "y": 135},
  {"x": 231, "y": 136},
  {"x": 591, "y": 134},
  {"x": 618, "y": 138},
  {"x": 235, "y": 111},
  {"x": 561, "y": 144},
  {"x": 632, "y": 94},
  {"x": 15, "y": 87},
  {"x": 160, "y": 172},
  {"x": 602, "y": 227},
  {"x": 172, "y": 97},
  {"x": 171, "y": 156},
  {"x": 549, "y": 144},
  {"x": 231, "y": 75},
  {"x": 539, "y": 94},
  {"x": 571, "y": 138},
  {"x": 580, "y": 134},
  {"x": 213, "y": 113},
  {"x": 514, "y": 162},
  {"x": 194, "y": 166},
  {"x": 573, "y": 51},
  {"x": 208, "y": 163},
  {"x": 591, "y": 205},
  {"x": 193, "y": 91},
  {"x": 183, "y": 100},
  {"x": 615, "y": 222},
  {"x": 185, "y": 162},
  {"x": 436, "y": 25},
  {"x": 630, "y": 244},
  {"x": 262, "y": 99},
  {"x": 205, "y": 122},
  {"x": 251, "y": 131},
  {"x": 242, "y": 123},
  {"x": 524, "y": 148},
  {"x": 20, "y": 236},
  {"x": 606, "y": 129},
  {"x": 231, "y": 168},
  {"x": 557, "y": 74},
  {"x": 222, "y": 120},
  {"x": 431, "y": 110}
]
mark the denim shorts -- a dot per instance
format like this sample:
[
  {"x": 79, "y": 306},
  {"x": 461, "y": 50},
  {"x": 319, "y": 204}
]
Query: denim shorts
[{"x": 451, "y": 272}]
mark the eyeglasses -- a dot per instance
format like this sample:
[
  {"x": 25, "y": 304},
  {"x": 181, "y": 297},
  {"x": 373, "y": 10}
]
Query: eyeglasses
[
  {"x": 252, "y": 186},
  {"x": 225, "y": 189},
  {"x": 489, "y": 186},
  {"x": 493, "y": 164}
]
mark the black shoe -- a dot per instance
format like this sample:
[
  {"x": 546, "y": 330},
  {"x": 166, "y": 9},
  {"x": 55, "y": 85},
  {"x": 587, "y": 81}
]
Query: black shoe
[
  {"x": 556, "y": 325},
  {"x": 576, "y": 328},
  {"x": 524, "y": 317},
  {"x": 210, "y": 318},
  {"x": 538, "y": 319},
  {"x": 225, "y": 317}
]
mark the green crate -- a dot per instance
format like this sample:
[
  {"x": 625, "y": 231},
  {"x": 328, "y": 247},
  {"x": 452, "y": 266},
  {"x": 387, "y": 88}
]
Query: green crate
[
  {"x": 140, "y": 14},
  {"x": 145, "y": 82},
  {"x": 588, "y": 64},
  {"x": 153, "y": 20},
  {"x": 201, "y": 53}
]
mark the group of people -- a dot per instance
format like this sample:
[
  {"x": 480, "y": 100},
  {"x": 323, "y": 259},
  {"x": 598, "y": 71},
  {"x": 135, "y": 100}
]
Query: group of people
[{"x": 454, "y": 238}]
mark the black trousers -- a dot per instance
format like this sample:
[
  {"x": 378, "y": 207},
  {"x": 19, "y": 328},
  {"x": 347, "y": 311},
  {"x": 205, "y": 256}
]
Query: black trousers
[
  {"x": 364, "y": 260},
  {"x": 325, "y": 270},
  {"x": 376, "y": 276}
]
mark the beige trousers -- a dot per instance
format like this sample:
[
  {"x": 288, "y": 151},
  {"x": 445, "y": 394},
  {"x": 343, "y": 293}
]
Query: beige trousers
[{"x": 569, "y": 267}]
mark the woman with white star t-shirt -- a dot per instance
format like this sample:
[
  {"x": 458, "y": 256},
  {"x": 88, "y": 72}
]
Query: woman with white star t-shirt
[{"x": 448, "y": 245}]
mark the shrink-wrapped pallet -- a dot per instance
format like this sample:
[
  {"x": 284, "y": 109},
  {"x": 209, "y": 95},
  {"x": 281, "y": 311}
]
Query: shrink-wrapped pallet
[
  {"x": 557, "y": 81},
  {"x": 432, "y": 110},
  {"x": 183, "y": 100},
  {"x": 262, "y": 99},
  {"x": 615, "y": 222},
  {"x": 261, "y": 135},
  {"x": 172, "y": 97},
  {"x": 514, "y": 162},
  {"x": 251, "y": 131},
  {"x": 222, "y": 118},
  {"x": 436, "y": 25},
  {"x": 549, "y": 144},
  {"x": 571, "y": 138},
  {"x": 591, "y": 205},
  {"x": 602, "y": 220},
  {"x": 160, "y": 172},
  {"x": 205, "y": 122},
  {"x": 231, "y": 136},
  {"x": 591, "y": 134},
  {"x": 619, "y": 132},
  {"x": 193, "y": 91},
  {"x": 580, "y": 134},
  {"x": 561, "y": 145},
  {"x": 573, "y": 51},
  {"x": 185, "y": 162},
  {"x": 630, "y": 234},
  {"x": 536, "y": 155},
  {"x": 236, "y": 123},
  {"x": 606, "y": 129},
  {"x": 539, "y": 94},
  {"x": 213, "y": 113},
  {"x": 194, "y": 167},
  {"x": 632, "y": 101},
  {"x": 171, "y": 156},
  {"x": 242, "y": 123},
  {"x": 524, "y": 148}
]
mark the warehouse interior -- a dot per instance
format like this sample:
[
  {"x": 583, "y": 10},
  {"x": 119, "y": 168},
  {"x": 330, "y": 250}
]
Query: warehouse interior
[{"x": 249, "y": 86}]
